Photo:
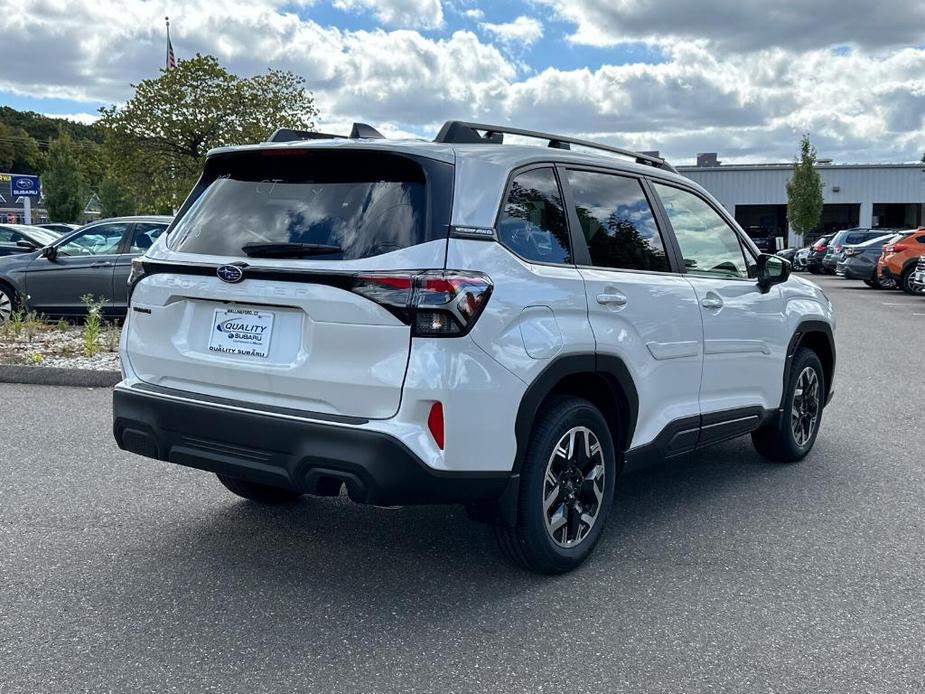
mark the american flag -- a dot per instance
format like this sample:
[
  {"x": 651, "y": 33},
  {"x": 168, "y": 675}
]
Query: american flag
[{"x": 171, "y": 59}]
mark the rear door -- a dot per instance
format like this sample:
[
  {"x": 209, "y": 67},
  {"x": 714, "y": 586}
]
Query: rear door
[
  {"x": 642, "y": 310},
  {"x": 142, "y": 237},
  {"x": 744, "y": 328},
  {"x": 281, "y": 283},
  {"x": 83, "y": 266}
]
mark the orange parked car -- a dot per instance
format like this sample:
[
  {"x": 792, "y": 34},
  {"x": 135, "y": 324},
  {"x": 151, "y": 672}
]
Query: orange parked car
[{"x": 898, "y": 261}]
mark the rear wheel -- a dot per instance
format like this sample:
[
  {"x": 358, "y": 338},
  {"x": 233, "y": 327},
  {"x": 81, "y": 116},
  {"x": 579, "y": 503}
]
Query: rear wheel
[
  {"x": 907, "y": 285},
  {"x": 261, "y": 493},
  {"x": 566, "y": 489},
  {"x": 873, "y": 284},
  {"x": 792, "y": 433}
]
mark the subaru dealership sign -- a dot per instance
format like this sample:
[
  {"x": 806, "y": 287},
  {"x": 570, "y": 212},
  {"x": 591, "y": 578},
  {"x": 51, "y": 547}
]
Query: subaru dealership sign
[{"x": 27, "y": 186}]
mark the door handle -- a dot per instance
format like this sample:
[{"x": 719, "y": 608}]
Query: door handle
[
  {"x": 102, "y": 263},
  {"x": 611, "y": 299},
  {"x": 711, "y": 302}
]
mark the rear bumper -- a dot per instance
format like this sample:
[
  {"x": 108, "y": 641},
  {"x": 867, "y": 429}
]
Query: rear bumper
[
  {"x": 858, "y": 271},
  {"x": 308, "y": 456}
]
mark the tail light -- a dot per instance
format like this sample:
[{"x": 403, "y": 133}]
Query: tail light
[
  {"x": 838, "y": 247},
  {"x": 819, "y": 247},
  {"x": 896, "y": 248},
  {"x": 436, "y": 303}
]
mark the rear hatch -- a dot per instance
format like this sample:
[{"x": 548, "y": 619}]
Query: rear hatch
[{"x": 284, "y": 278}]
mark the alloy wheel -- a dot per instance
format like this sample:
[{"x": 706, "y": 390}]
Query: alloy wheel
[
  {"x": 573, "y": 487},
  {"x": 804, "y": 410},
  {"x": 6, "y": 306}
]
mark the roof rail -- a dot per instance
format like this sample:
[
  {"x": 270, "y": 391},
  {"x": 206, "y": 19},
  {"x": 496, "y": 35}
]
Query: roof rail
[
  {"x": 463, "y": 132},
  {"x": 359, "y": 130}
]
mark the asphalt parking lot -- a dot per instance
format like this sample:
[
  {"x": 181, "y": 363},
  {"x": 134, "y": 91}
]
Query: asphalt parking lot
[{"x": 720, "y": 572}]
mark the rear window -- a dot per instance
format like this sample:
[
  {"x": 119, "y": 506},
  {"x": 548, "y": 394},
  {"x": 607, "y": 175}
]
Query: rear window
[{"x": 327, "y": 205}]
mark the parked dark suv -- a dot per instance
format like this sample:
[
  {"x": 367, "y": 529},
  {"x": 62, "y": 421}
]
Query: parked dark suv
[
  {"x": 817, "y": 253},
  {"x": 848, "y": 237}
]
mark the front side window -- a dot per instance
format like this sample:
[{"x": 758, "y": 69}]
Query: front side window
[
  {"x": 533, "y": 219},
  {"x": 709, "y": 246},
  {"x": 617, "y": 222},
  {"x": 104, "y": 239}
]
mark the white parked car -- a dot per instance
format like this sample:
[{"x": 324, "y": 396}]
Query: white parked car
[{"x": 507, "y": 327}]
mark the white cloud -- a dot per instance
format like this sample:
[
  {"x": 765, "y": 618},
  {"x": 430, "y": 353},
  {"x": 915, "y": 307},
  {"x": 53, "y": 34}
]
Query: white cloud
[
  {"x": 425, "y": 14},
  {"x": 745, "y": 25},
  {"x": 85, "y": 118},
  {"x": 523, "y": 30},
  {"x": 750, "y": 105},
  {"x": 474, "y": 13}
]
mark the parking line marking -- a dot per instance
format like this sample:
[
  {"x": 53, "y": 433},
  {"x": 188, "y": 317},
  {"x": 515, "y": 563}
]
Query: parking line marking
[{"x": 886, "y": 304}]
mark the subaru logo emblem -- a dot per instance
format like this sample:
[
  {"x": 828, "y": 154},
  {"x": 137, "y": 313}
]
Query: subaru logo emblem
[
  {"x": 230, "y": 273},
  {"x": 24, "y": 183}
]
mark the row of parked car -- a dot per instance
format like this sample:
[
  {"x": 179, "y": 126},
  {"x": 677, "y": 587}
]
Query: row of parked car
[
  {"x": 881, "y": 258},
  {"x": 48, "y": 268}
]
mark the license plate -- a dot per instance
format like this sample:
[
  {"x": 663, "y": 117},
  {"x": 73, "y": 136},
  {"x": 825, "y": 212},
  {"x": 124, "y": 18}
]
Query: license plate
[{"x": 241, "y": 332}]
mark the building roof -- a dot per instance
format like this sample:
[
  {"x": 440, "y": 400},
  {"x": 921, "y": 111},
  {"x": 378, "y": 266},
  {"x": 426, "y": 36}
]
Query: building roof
[{"x": 787, "y": 166}]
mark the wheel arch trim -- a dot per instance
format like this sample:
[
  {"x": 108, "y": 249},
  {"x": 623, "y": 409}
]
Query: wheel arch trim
[
  {"x": 804, "y": 330},
  {"x": 611, "y": 368}
]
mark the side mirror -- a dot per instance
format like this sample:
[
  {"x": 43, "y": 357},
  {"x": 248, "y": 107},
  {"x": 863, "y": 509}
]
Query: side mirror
[
  {"x": 772, "y": 269},
  {"x": 28, "y": 245},
  {"x": 50, "y": 252}
]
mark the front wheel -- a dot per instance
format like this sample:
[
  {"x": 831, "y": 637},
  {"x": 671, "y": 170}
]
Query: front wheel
[
  {"x": 566, "y": 489},
  {"x": 7, "y": 302},
  {"x": 792, "y": 433},
  {"x": 261, "y": 493}
]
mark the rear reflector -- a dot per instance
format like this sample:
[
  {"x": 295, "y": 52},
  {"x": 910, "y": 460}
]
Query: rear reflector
[{"x": 435, "y": 423}]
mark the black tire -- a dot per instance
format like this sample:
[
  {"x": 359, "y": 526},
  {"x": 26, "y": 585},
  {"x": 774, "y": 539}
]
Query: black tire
[
  {"x": 532, "y": 543},
  {"x": 906, "y": 284},
  {"x": 261, "y": 493},
  {"x": 873, "y": 284},
  {"x": 777, "y": 440}
]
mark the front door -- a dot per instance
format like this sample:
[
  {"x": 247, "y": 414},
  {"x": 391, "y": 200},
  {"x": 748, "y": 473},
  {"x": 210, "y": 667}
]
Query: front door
[
  {"x": 642, "y": 310},
  {"x": 83, "y": 266},
  {"x": 744, "y": 328}
]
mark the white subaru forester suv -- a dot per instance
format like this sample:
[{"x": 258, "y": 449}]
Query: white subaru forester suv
[{"x": 507, "y": 327}]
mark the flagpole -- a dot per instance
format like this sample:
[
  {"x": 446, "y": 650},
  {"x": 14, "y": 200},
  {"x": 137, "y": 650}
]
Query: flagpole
[{"x": 167, "y": 60}]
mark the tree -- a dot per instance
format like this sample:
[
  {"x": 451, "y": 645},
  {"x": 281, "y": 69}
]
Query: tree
[
  {"x": 19, "y": 153},
  {"x": 115, "y": 199},
  {"x": 61, "y": 182},
  {"x": 157, "y": 141},
  {"x": 804, "y": 191}
]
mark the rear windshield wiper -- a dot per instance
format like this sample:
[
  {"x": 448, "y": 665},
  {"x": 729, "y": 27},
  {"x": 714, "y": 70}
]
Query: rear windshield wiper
[{"x": 288, "y": 250}]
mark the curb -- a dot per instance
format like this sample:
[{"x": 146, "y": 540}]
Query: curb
[{"x": 56, "y": 376}]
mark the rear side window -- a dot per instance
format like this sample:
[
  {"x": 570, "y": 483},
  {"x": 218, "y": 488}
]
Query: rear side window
[
  {"x": 533, "y": 219},
  {"x": 327, "y": 205},
  {"x": 617, "y": 222},
  {"x": 144, "y": 235}
]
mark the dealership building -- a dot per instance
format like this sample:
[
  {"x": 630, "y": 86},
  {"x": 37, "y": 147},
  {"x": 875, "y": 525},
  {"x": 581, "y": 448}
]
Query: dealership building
[{"x": 855, "y": 195}]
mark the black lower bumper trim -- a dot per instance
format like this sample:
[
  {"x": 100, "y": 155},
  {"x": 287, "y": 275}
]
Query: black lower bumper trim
[{"x": 312, "y": 457}]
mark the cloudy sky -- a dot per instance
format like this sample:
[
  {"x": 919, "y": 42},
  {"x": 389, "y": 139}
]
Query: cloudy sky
[{"x": 740, "y": 77}]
